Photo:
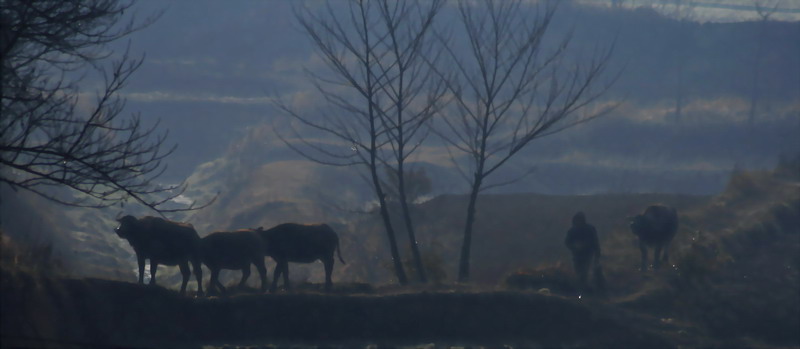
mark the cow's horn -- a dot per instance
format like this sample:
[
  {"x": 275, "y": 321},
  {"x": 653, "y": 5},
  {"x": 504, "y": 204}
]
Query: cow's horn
[{"x": 119, "y": 215}]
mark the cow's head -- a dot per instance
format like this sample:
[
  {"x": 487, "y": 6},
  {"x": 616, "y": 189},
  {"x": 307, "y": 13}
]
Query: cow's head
[
  {"x": 638, "y": 224},
  {"x": 127, "y": 226}
]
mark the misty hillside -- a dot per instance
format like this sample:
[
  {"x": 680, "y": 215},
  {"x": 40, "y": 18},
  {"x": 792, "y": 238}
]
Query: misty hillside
[
  {"x": 209, "y": 88},
  {"x": 257, "y": 183},
  {"x": 733, "y": 282},
  {"x": 454, "y": 138}
]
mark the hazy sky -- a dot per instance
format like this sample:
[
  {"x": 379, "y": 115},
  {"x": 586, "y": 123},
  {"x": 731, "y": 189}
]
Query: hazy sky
[
  {"x": 241, "y": 51},
  {"x": 211, "y": 68}
]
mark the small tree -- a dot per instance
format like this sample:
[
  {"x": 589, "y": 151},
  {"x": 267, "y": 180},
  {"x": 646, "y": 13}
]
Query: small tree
[
  {"x": 683, "y": 11},
  {"x": 507, "y": 91},
  {"x": 381, "y": 85},
  {"x": 764, "y": 13},
  {"x": 47, "y": 139}
]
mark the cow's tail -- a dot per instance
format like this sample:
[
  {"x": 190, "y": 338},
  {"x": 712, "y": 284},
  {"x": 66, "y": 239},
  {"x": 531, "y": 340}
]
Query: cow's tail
[{"x": 339, "y": 251}]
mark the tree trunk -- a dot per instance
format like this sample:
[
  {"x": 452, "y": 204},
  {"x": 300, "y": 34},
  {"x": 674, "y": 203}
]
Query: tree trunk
[
  {"x": 412, "y": 239},
  {"x": 754, "y": 92},
  {"x": 463, "y": 265},
  {"x": 679, "y": 94},
  {"x": 387, "y": 222}
]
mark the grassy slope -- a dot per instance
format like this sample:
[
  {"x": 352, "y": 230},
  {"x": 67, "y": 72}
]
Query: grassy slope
[
  {"x": 71, "y": 312},
  {"x": 521, "y": 230},
  {"x": 734, "y": 282},
  {"x": 736, "y": 275}
]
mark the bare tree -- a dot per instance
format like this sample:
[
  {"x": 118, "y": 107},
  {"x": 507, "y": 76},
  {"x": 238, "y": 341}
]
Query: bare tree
[
  {"x": 508, "y": 91},
  {"x": 381, "y": 91},
  {"x": 684, "y": 12},
  {"x": 412, "y": 94},
  {"x": 764, "y": 13},
  {"x": 50, "y": 141}
]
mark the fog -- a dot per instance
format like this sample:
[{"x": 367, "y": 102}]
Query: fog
[
  {"x": 212, "y": 70},
  {"x": 698, "y": 109}
]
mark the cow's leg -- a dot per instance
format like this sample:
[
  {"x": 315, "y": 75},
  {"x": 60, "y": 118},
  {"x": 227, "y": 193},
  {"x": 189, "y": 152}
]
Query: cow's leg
[
  {"x": 328, "y": 263},
  {"x": 245, "y": 276},
  {"x": 212, "y": 287},
  {"x": 275, "y": 275},
  {"x": 198, "y": 275},
  {"x": 215, "y": 281},
  {"x": 262, "y": 272},
  {"x": 285, "y": 272},
  {"x": 140, "y": 260},
  {"x": 153, "y": 269},
  {"x": 643, "y": 249},
  {"x": 666, "y": 254},
  {"x": 657, "y": 257},
  {"x": 186, "y": 273}
]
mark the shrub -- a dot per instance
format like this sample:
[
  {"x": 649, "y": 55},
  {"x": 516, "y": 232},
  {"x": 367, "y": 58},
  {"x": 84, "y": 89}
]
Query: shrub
[
  {"x": 555, "y": 277},
  {"x": 33, "y": 257}
]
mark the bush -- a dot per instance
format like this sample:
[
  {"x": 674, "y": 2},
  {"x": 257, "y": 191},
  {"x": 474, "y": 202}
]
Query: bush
[
  {"x": 701, "y": 260},
  {"x": 556, "y": 277},
  {"x": 33, "y": 257},
  {"x": 433, "y": 263}
]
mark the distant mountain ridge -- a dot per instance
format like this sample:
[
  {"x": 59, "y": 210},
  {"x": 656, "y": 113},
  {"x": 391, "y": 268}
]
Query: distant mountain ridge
[{"x": 214, "y": 82}]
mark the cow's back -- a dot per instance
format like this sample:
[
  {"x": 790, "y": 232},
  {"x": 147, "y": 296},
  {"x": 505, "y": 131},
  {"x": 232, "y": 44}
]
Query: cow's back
[
  {"x": 170, "y": 242},
  {"x": 231, "y": 250},
  {"x": 661, "y": 224},
  {"x": 299, "y": 242}
]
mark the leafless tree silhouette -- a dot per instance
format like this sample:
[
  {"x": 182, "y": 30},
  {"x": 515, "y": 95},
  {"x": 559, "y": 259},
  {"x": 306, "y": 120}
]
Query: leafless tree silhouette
[
  {"x": 50, "y": 140},
  {"x": 508, "y": 91},
  {"x": 764, "y": 13},
  {"x": 381, "y": 90},
  {"x": 684, "y": 12}
]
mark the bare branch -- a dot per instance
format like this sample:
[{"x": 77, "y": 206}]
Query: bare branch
[
  {"x": 507, "y": 91},
  {"x": 47, "y": 141}
]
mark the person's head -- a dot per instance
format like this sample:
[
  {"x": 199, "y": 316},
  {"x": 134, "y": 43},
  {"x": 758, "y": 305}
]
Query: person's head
[{"x": 579, "y": 219}]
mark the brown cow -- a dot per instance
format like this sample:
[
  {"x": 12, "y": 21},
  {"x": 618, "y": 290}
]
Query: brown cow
[
  {"x": 290, "y": 242},
  {"x": 233, "y": 250},
  {"x": 163, "y": 242}
]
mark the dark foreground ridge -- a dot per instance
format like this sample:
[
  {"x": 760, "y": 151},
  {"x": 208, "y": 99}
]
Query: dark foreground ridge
[{"x": 101, "y": 313}]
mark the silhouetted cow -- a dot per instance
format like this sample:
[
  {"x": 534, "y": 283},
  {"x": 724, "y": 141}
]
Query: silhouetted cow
[
  {"x": 299, "y": 243},
  {"x": 655, "y": 228},
  {"x": 233, "y": 250},
  {"x": 163, "y": 242}
]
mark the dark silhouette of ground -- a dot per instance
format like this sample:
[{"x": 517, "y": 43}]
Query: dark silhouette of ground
[{"x": 47, "y": 311}]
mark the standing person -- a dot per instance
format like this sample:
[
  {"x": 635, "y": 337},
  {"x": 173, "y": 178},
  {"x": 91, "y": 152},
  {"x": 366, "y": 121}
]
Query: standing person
[{"x": 583, "y": 243}]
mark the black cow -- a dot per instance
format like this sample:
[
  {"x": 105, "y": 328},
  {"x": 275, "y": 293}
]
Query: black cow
[
  {"x": 655, "y": 228},
  {"x": 233, "y": 250},
  {"x": 290, "y": 242},
  {"x": 163, "y": 242}
]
